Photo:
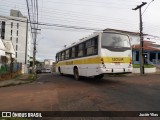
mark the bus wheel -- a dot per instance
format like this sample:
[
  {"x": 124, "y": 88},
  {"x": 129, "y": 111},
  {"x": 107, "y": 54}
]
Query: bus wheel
[
  {"x": 99, "y": 76},
  {"x": 76, "y": 74},
  {"x": 59, "y": 69}
]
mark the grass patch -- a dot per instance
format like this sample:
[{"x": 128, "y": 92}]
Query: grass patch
[
  {"x": 14, "y": 83},
  {"x": 17, "y": 76},
  {"x": 145, "y": 66},
  {"x": 31, "y": 77}
]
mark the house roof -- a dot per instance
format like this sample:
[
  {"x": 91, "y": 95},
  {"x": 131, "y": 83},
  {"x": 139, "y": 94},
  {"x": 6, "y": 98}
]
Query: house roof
[
  {"x": 148, "y": 45},
  {"x": 123, "y": 31},
  {"x": 9, "y": 46},
  {"x": 2, "y": 47}
]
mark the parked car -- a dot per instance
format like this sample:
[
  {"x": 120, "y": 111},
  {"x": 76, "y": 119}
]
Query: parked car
[
  {"x": 48, "y": 70},
  {"x": 42, "y": 70},
  {"x": 38, "y": 71}
]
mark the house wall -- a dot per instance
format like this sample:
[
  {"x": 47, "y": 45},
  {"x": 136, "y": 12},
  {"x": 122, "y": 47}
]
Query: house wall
[
  {"x": 135, "y": 53},
  {"x": 2, "y": 52},
  {"x": 48, "y": 62},
  {"x": 151, "y": 56}
]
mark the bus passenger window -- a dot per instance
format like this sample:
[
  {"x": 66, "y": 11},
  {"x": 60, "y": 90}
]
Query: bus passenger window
[
  {"x": 70, "y": 53},
  {"x": 80, "y": 50},
  {"x": 91, "y": 46},
  {"x": 67, "y": 54},
  {"x": 57, "y": 58},
  {"x": 62, "y": 55},
  {"x": 95, "y": 45},
  {"x": 73, "y": 52}
]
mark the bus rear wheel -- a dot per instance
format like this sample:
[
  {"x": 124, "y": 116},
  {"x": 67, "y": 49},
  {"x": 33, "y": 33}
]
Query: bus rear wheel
[
  {"x": 59, "y": 69},
  {"x": 76, "y": 74}
]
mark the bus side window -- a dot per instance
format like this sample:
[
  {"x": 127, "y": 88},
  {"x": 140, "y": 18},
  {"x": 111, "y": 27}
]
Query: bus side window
[
  {"x": 62, "y": 55},
  {"x": 73, "y": 52},
  {"x": 67, "y": 54},
  {"x": 87, "y": 46},
  {"x": 70, "y": 53},
  {"x": 96, "y": 45},
  {"x": 57, "y": 57},
  {"x": 92, "y": 46},
  {"x": 76, "y": 51},
  {"x": 80, "y": 50}
]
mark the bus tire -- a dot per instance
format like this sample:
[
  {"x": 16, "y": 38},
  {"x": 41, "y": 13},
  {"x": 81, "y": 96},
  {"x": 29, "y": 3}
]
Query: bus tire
[
  {"x": 76, "y": 74},
  {"x": 59, "y": 69}
]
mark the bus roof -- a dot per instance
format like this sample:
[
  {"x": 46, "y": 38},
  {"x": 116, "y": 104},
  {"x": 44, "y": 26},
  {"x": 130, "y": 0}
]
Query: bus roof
[
  {"x": 88, "y": 37},
  {"x": 81, "y": 40}
]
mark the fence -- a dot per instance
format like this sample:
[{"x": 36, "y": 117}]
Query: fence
[{"x": 9, "y": 71}]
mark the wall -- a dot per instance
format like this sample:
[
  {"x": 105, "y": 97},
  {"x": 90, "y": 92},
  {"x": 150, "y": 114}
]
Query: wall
[
  {"x": 146, "y": 70},
  {"x": 9, "y": 71}
]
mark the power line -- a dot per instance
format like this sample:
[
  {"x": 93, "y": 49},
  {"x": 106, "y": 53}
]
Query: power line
[
  {"x": 50, "y": 24},
  {"x": 147, "y": 7},
  {"x": 65, "y": 26},
  {"x": 109, "y": 4}
]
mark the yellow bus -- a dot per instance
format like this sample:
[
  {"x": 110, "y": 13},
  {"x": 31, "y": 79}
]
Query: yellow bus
[{"x": 96, "y": 55}]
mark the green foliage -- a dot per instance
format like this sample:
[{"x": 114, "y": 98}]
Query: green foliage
[
  {"x": 37, "y": 63},
  {"x": 5, "y": 69},
  {"x": 31, "y": 77},
  {"x": 145, "y": 66}
]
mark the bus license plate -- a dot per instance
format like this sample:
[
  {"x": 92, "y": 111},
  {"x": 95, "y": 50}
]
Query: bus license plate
[{"x": 117, "y": 63}]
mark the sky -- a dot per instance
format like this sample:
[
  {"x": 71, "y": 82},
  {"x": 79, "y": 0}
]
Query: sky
[{"x": 89, "y": 14}]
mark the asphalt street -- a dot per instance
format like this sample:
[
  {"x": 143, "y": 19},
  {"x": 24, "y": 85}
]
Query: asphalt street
[{"x": 52, "y": 92}]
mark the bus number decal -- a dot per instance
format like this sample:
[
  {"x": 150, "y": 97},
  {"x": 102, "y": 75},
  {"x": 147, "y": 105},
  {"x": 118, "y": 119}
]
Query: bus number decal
[{"x": 117, "y": 59}]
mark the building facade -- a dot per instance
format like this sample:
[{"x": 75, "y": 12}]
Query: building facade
[
  {"x": 151, "y": 53},
  {"x": 48, "y": 62},
  {"x": 16, "y": 29}
]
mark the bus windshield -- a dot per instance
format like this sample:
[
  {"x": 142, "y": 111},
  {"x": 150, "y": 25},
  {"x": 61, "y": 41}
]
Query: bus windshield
[{"x": 114, "y": 40}]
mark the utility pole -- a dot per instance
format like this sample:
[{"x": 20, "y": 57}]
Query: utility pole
[
  {"x": 141, "y": 37},
  {"x": 34, "y": 50},
  {"x": 26, "y": 42}
]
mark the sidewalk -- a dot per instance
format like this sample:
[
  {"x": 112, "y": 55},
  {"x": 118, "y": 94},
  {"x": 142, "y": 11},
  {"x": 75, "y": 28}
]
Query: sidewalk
[{"x": 24, "y": 78}]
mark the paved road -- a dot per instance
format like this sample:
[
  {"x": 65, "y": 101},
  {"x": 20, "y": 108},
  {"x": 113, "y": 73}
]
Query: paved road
[{"x": 52, "y": 92}]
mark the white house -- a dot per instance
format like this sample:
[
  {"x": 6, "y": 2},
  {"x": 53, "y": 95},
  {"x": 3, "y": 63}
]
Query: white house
[
  {"x": 9, "y": 50},
  {"x": 2, "y": 51},
  {"x": 48, "y": 62}
]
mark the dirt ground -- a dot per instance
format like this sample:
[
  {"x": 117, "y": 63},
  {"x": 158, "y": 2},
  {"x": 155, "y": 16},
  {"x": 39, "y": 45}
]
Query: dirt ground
[{"x": 52, "y": 92}]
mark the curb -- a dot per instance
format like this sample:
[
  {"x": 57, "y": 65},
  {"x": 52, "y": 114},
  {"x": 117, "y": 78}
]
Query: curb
[
  {"x": 13, "y": 83},
  {"x": 16, "y": 81}
]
